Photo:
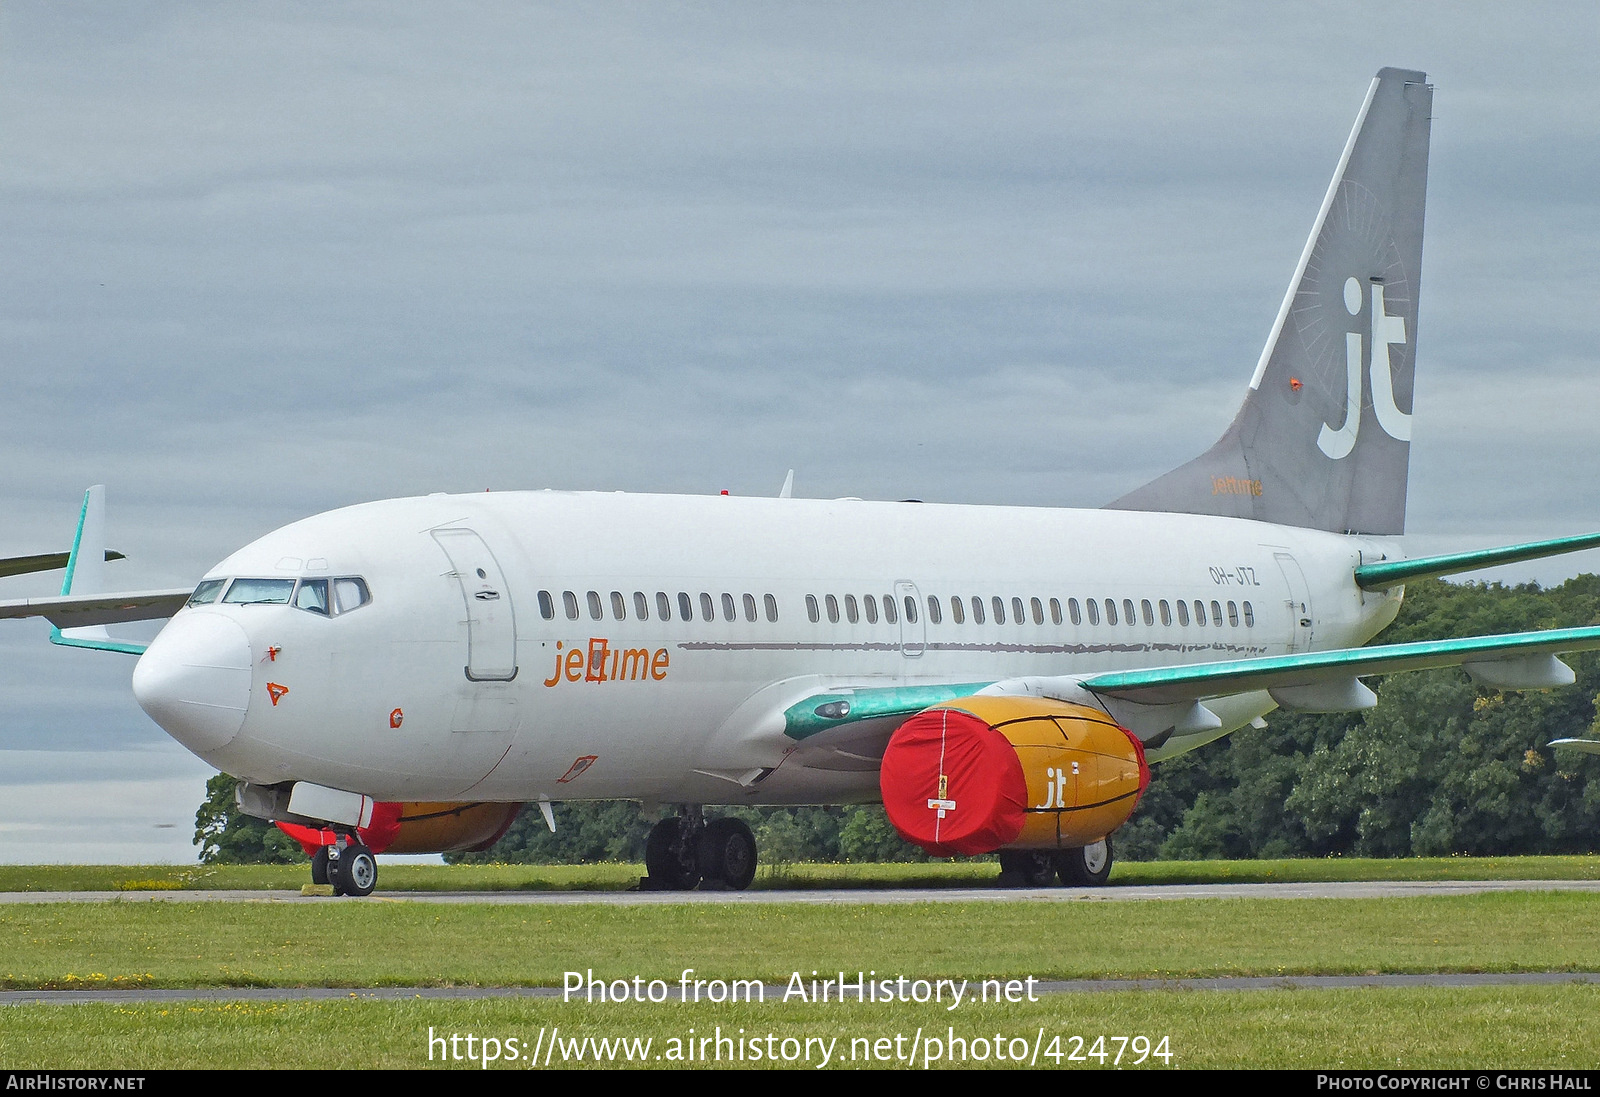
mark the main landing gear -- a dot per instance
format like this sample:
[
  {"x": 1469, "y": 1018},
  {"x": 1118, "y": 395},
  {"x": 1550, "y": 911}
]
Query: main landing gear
[
  {"x": 1082, "y": 866},
  {"x": 685, "y": 852},
  {"x": 348, "y": 865}
]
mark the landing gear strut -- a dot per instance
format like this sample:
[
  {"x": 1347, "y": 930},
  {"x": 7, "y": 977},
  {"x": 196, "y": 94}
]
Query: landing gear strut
[
  {"x": 685, "y": 852},
  {"x": 348, "y": 865}
]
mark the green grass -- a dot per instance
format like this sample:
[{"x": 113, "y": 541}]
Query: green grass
[
  {"x": 338, "y": 943},
  {"x": 803, "y": 876},
  {"x": 1476, "y": 1028}
]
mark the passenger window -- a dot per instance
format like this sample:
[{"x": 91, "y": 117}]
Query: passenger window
[
  {"x": 663, "y": 606},
  {"x": 1183, "y": 613},
  {"x": 911, "y": 610},
  {"x": 1233, "y": 614},
  {"x": 750, "y": 608},
  {"x": 685, "y": 606},
  {"x": 933, "y": 610},
  {"x": 708, "y": 609},
  {"x": 1072, "y": 611},
  {"x": 1149, "y": 614},
  {"x": 1216, "y": 613},
  {"x": 889, "y": 616},
  {"x": 1249, "y": 616},
  {"x": 977, "y": 610},
  {"x": 870, "y": 604},
  {"x": 1199, "y": 612},
  {"x": 1038, "y": 612},
  {"x": 259, "y": 591},
  {"x": 1111, "y": 611},
  {"x": 1018, "y": 614},
  {"x": 313, "y": 596},
  {"x": 1127, "y": 612},
  {"x": 1094, "y": 610},
  {"x": 811, "y": 608},
  {"x": 772, "y": 607},
  {"x": 729, "y": 612},
  {"x": 833, "y": 608},
  {"x": 852, "y": 612},
  {"x": 998, "y": 604},
  {"x": 349, "y": 594},
  {"x": 641, "y": 605},
  {"x": 595, "y": 610},
  {"x": 619, "y": 606},
  {"x": 547, "y": 605},
  {"x": 958, "y": 609},
  {"x": 1166, "y": 613},
  {"x": 570, "y": 601},
  {"x": 206, "y": 592}
]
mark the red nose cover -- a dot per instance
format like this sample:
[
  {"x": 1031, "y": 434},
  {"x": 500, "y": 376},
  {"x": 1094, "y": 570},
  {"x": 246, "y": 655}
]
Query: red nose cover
[{"x": 984, "y": 796}]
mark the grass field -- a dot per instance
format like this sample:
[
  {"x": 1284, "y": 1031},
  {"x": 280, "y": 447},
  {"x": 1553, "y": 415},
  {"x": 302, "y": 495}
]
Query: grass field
[
  {"x": 377, "y": 943},
  {"x": 932, "y": 875}
]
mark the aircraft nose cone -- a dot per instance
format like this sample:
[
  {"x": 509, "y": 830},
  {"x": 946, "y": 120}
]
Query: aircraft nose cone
[{"x": 195, "y": 680}]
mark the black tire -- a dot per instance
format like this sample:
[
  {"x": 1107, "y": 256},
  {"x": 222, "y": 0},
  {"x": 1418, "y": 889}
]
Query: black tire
[
  {"x": 728, "y": 853},
  {"x": 1086, "y": 866},
  {"x": 319, "y": 865},
  {"x": 354, "y": 871},
  {"x": 671, "y": 863},
  {"x": 1033, "y": 868}
]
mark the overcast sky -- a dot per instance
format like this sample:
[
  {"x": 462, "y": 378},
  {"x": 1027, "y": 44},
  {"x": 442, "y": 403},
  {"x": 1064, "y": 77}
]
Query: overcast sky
[{"x": 267, "y": 260}]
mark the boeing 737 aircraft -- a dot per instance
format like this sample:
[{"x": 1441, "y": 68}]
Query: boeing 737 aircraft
[{"x": 405, "y": 675}]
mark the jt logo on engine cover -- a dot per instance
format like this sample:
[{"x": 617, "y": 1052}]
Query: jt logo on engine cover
[{"x": 1055, "y": 789}]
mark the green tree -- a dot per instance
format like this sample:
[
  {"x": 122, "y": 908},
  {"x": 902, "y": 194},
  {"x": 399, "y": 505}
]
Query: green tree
[{"x": 227, "y": 835}]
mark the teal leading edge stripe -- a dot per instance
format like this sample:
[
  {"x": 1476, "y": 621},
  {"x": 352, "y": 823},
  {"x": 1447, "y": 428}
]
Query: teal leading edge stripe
[
  {"x": 77, "y": 541},
  {"x": 1419, "y": 655},
  {"x": 1390, "y": 573},
  {"x": 99, "y": 645},
  {"x": 801, "y": 721}
]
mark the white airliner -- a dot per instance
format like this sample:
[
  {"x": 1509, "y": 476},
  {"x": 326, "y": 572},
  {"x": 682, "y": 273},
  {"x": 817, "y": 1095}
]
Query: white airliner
[{"x": 405, "y": 674}]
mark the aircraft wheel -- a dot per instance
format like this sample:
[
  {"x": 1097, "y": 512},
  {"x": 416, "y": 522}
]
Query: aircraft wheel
[
  {"x": 354, "y": 871},
  {"x": 728, "y": 853},
  {"x": 1033, "y": 868},
  {"x": 1086, "y": 866},
  {"x": 670, "y": 862},
  {"x": 319, "y": 865}
]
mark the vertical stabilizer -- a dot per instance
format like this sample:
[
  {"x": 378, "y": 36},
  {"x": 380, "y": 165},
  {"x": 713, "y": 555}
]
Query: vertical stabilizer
[{"x": 1323, "y": 439}]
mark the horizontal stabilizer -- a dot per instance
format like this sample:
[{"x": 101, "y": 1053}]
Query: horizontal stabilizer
[
  {"x": 1588, "y": 746},
  {"x": 1391, "y": 573},
  {"x": 47, "y": 561}
]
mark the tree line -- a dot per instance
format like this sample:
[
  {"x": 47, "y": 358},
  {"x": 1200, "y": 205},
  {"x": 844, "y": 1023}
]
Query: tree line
[{"x": 1439, "y": 767}]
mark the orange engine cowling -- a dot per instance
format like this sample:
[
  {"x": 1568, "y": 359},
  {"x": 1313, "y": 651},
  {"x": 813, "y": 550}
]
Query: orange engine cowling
[
  {"x": 421, "y": 828},
  {"x": 984, "y": 773}
]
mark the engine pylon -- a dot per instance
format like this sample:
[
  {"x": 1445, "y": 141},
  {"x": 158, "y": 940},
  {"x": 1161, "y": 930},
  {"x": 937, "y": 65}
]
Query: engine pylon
[{"x": 984, "y": 773}]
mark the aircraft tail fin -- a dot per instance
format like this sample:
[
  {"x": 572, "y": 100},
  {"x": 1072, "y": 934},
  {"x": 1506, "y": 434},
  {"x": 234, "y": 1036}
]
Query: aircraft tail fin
[{"x": 1323, "y": 439}]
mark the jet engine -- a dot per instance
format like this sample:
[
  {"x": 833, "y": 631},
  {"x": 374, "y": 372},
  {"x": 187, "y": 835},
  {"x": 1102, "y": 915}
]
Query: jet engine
[
  {"x": 984, "y": 773},
  {"x": 420, "y": 828}
]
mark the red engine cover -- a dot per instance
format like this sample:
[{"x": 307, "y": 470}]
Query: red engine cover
[{"x": 952, "y": 784}]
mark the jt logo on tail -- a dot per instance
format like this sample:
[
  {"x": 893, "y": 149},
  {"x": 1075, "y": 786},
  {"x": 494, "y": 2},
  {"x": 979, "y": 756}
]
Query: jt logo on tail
[{"x": 1387, "y": 331}]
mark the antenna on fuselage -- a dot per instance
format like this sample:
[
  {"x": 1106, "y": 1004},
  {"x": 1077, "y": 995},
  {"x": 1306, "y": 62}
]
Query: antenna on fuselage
[{"x": 787, "y": 491}]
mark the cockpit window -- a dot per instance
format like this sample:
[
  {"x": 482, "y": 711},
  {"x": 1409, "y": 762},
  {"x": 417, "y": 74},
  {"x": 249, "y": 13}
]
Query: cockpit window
[
  {"x": 252, "y": 591},
  {"x": 349, "y": 594},
  {"x": 206, "y": 592},
  {"x": 312, "y": 596}
]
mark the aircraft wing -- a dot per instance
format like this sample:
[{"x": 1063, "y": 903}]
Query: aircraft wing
[
  {"x": 857, "y": 721},
  {"x": 78, "y": 610},
  {"x": 1523, "y": 660}
]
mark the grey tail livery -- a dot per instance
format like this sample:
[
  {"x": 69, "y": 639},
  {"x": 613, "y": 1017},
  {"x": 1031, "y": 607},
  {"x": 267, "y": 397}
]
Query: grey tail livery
[{"x": 1323, "y": 440}]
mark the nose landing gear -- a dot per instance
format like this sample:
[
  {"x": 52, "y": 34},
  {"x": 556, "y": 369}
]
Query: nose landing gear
[{"x": 348, "y": 865}]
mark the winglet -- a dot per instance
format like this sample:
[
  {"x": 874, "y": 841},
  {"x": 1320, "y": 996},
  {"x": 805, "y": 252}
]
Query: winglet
[{"x": 86, "y": 566}]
